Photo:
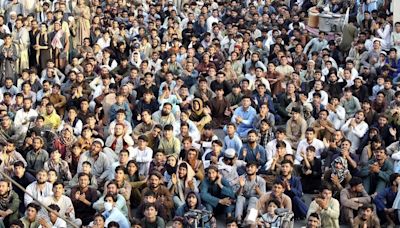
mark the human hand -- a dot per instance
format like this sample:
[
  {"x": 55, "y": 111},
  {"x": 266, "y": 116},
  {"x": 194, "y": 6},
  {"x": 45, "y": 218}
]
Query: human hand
[
  {"x": 242, "y": 181},
  {"x": 174, "y": 179},
  {"x": 225, "y": 201}
]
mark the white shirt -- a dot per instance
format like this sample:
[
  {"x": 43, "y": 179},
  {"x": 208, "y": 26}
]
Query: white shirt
[
  {"x": 143, "y": 158},
  {"x": 21, "y": 116},
  {"x": 354, "y": 134},
  {"x": 210, "y": 21},
  {"x": 337, "y": 118},
  {"x": 35, "y": 192},
  {"x": 271, "y": 151},
  {"x": 303, "y": 144},
  {"x": 324, "y": 97}
]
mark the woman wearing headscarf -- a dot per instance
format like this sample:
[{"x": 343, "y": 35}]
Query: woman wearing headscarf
[
  {"x": 339, "y": 175},
  {"x": 200, "y": 115},
  {"x": 65, "y": 142},
  {"x": 170, "y": 167},
  {"x": 181, "y": 183}
]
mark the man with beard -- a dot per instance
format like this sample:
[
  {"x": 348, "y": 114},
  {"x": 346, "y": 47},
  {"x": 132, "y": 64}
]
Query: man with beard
[
  {"x": 165, "y": 115},
  {"x": 117, "y": 142},
  {"x": 376, "y": 173},
  {"x": 112, "y": 188},
  {"x": 8, "y": 156},
  {"x": 21, "y": 39},
  {"x": 51, "y": 119},
  {"x": 252, "y": 151},
  {"x": 252, "y": 187},
  {"x": 25, "y": 116},
  {"x": 217, "y": 193},
  {"x": 100, "y": 162},
  {"x": 293, "y": 189},
  {"x": 83, "y": 197},
  {"x": 36, "y": 157},
  {"x": 24, "y": 179},
  {"x": 39, "y": 189},
  {"x": 9, "y": 203},
  {"x": 355, "y": 128},
  {"x": 192, "y": 202},
  {"x": 228, "y": 166},
  {"x": 163, "y": 195}
]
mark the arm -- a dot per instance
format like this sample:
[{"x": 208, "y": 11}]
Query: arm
[
  {"x": 346, "y": 201},
  {"x": 333, "y": 211},
  {"x": 206, "y": 196},
  {"x": 384, "y": 174}
]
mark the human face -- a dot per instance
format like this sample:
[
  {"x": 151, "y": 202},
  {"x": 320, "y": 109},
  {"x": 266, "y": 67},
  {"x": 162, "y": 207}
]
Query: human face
[
  {"x": 96, "y": 148},
  {"x": 367, "y": 213},
  {"x": 41, "y": 177},
  {"x": 309, "y": 135},
  {"x": 271, "y": 208},
  {"x": 119, "y": 130},
  {"x": 326, "y": 194},
  {"x": 312, "y": 222},
  {"x": 251, "y": 170},
  {"x": 112, "y": 188},
  {"x": 83, "y": 181},
  {"x": 31, "y": 213},
  {"x": 278, "y": 189},
  {"x": 212, "y": 174},
  {"x": 252, "y": 137},
  {"x": 150, "y": 212},
  {"x": 58, "y": 190},
  {"x": 286, "y": 169},
  {"x": 4, "y": 188},
  {"x": 132, "y": 168},
  {"x": 154, "y": 181},
  {"x": 19, "y": 171},
  {"x": 37, "y": 144},
  {"x": 191, "y": 201},
  {"x": 379, "y": 154},
  {"x": 246, "y": 103}
]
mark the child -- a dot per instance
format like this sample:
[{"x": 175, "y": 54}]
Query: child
[
  {"x": 378, "y": 87},
  {"x": 270, "y": 219}
]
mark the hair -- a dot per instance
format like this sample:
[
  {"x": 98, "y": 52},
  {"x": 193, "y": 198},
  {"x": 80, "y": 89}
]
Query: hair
[
  {"x": 355, "y": 181},
  {"x": 367, "y": 206},
  {"x": 168, "y": 127},
  {"x": 285, "y": 161},
  {"x": 326, "y": 186},
  {"x": 54, "y": 207},
  {"x": 58, "y": 183},
  {"x": 120, "y": 168},
  {"x": 112, "y": 196},
  {"x": 19, "y": 164},
  {"x": 148, "y": 205},
  {"x": 393, "y": 177},
  {"x": 33, "y": 205},
  {"x": 275, "y": 201}
]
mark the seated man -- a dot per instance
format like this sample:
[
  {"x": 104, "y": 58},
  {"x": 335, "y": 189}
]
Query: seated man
[
  {"x": 63, "y": 201},
  {"x": 293, "y": 188},
  {"x": 244, "y": 116},
  {"x": 52, "y": 220},
  {"x": 10, "y": 204},
  {"x": 117, "y": 142},
  {"x": 216, "y": 192},
  {"x": 113, "y": 213},
  {"x": 252, "y": 151},
  {"x": 376, "y": 174},
  {"x": 31, "y": 218},
  {"x": 112, "y": 188},
  {"x": 352, "y": 199},
  {"x": 385, "y": 209},
  {"x": 327, "y": 207},
  {"x": 252, "y": 187},
  {"x": 151, "y": 218},
  {"x": 366, "y": 218},
  {"x": 83, "y": 196}
]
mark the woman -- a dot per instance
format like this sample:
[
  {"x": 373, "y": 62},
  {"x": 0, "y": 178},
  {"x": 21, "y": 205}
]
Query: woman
[
  {"x": 200, "y": 116},
  {"x": 43, "y": 54},
  {"x": 170, "y": 167},
  {"x": 82, "y": 18},
  {"x": 181, "y": 183},
  {"x": 339, "y": 175},
  {"x": 137, "y": 182}
]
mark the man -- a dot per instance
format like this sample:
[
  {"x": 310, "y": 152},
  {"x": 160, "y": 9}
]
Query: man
[
  {"x": 244, "y": 116},
  {"x": 8, "y": 131},
  {"x": 232, "y": 140},
  {"x": 51, "y": 119},
  {"x": 146, "y": 124},
  {"x": 9, "y": 55},
  {"x": 142, "y": 154},
  {"x": 25, "y": 116},
  {"x": 113, "y": 213},
  {"x": 165, "y": 115},
  {"x": 293, "y": 188},
  {"x": 83, "y": 196},
  {"x": 163, "y": 195},
  {"x": 270, "y": 148},
  {"x": 385, "y": 208},
  {"x": 151, "y": 218},
  {"x": 52, "y": 219},
  {"x": 252, "y": 151},
  {"x": 327, "y": 207},
  {"x": 24, "y": 179},
  {"x": 310, "y": 140},
  {"x": 39, "y": 189},
  {"x": 230, "y": 167},
  {"x": 98, "y": 159},
  {"x": 31, "y": 218},
  {"x": 377, "y": 172},
  {"x": 350, "y": 103},
  {"x": 169, "y": 143},
  {"x": 10, "y": 204},
  {"x": 313, "y": 221},
  {"x": 352, "y": 198},
  {"x": 318, "y": 88},
  {"x": 216, "y": 192},
  {"x": 37, "y": 156},
  {"x": 117, "y": 142},
  {"x": 366, "y": 218},
  {"x": 324, "y": 128},
  {"x": 277, "y": 192},
  {"x": 295, "y": 127},
  {"x": 9, "y": 156},
  {"x": 252, "y": 187},
  {"x": 64, "y": 202},
  {"x": 336, "y": 112},
  {"x": 316, "y": 44},
  {"x": 354, "y": 129},
  {"x": 120, "y": 202},
  {"x": 123, "y": 159},
  {"x": 21, "y": 39}
]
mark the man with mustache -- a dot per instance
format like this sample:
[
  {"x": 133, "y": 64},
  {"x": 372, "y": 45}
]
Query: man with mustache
[
  {"x": 9, "y": 203},
  {"x": 25, "y": 116},
  {"x": 39, "y": 189}
]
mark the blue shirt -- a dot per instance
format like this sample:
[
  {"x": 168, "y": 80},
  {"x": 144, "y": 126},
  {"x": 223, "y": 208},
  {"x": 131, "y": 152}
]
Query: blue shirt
[
  {"x": 247, "y": 122},
  {"x": 234, "y": 143},
  {"x": 385, "y": 199},
  {"x": 116, "y": 215},
  {"x": 251, "y": 154}
]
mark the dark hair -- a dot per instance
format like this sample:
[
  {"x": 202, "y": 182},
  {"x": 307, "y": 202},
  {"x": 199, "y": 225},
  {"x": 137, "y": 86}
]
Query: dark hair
[
  {"x": 315, "y": 215},
  {"x": 58, "y": 183},
  {"x": 19, "y": 164},
  {"x": 120, "y": 168},
  {"x": 168, "y": 127},
  {"x": 280, "y": 144},
  {"x": 275, "y": 201},
  {"x": 355, "y": 181},
  {"x": 326, "y": 186},
  {"x": 393, "y": 177},
  {"x": 148, "y": 205},
  {"x": 367, "y": 205},
  {"x": 285, "y": 161},
  {"x": 112, "y": 196},
  {"x": 34, "y": 206},
  {"x": 54, "y": 207}
]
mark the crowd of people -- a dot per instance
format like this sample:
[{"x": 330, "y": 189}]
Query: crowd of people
[{"x": 126, "y": 113}]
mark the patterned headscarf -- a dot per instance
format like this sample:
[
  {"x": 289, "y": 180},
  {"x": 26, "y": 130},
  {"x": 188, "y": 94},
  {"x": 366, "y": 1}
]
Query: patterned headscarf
[{"x": 341, "y": 173}]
